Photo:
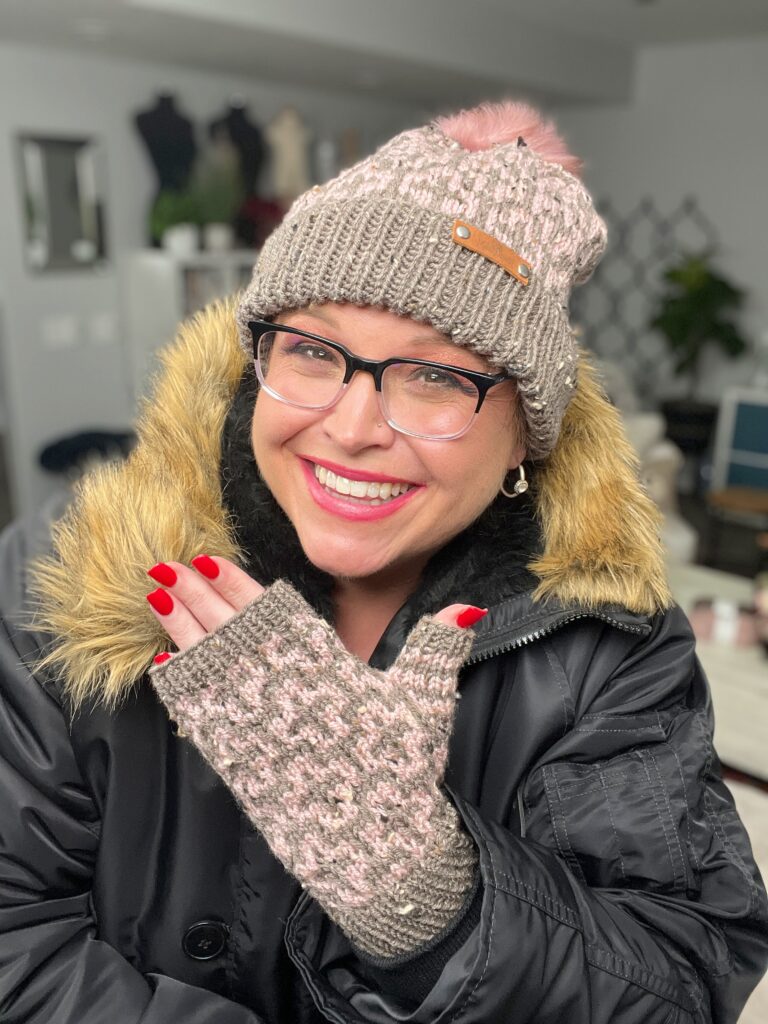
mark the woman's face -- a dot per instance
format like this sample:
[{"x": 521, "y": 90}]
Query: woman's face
[{"x": 451, "y": 482}]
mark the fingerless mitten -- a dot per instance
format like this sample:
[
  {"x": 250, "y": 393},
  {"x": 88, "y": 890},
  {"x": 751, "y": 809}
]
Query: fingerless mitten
[{"x": 338, "y": 764}]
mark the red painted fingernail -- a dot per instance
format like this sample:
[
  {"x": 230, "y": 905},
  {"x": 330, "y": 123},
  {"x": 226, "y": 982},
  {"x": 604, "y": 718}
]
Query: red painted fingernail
[
  {"x": 160, "y": 658},
  {"x": 161, "y": 601},
  {"x": 206, "y": 566},
  {"x": 470, "y": 616},
  {"x": 163, "y": 574}
]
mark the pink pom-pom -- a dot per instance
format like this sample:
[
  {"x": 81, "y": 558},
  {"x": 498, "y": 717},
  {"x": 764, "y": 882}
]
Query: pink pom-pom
[{"x": 492, "y": 124}]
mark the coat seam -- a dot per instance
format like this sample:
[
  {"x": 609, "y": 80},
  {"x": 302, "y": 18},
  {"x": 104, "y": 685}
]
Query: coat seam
[
  {"x": 539, "y": 899},
  {"x": 671, "y": 821},
  {"x": 589, "y": 731},
  {"x": 736, "y": 860},
  {"x": 691, "y": 846},
  {"x": 563, "y": 686},
  {"x": 592, "y": 951},
  {"x": 238, "y": 917},
  {"x": 494, "y": 873},
  {"x": 613, "y": 824},
  {"x": 557, "y": 814},
  {"x": 714, "y": 818},
  {"x": 630, "y": 970},
  {"x": 660, "y": 816}
]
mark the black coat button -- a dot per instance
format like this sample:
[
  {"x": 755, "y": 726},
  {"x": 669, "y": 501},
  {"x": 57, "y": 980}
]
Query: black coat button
[{"x": 205, "y": 940}]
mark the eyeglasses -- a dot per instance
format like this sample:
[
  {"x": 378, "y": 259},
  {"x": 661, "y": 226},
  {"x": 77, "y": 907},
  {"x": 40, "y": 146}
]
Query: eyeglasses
[{"x": 435, "y": 401}]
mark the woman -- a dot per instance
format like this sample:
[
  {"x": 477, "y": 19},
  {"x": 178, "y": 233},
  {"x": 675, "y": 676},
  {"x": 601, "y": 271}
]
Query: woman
[{"x": 292, "y": 816}]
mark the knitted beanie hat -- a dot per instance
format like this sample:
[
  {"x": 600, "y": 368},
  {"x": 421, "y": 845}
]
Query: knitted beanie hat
[{"x": 476, "y": 224}]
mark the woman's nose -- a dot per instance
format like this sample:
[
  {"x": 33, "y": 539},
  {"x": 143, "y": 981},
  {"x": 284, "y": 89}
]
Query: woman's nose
[{"x": 356, "y": 421}]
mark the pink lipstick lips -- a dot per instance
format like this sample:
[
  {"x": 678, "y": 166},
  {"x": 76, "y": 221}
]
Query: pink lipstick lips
[{"x": 354, "y": 511}]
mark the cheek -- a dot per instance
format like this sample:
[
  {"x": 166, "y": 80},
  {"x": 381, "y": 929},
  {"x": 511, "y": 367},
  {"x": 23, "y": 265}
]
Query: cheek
[
  {"x": 471, "y": 473},
  {"x": 274, "y": 423}
]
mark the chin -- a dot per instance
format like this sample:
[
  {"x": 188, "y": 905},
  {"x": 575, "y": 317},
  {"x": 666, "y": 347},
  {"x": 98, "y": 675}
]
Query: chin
[
  {"x": 345, "y": 562},
  {"x": 344, "y": 566}
]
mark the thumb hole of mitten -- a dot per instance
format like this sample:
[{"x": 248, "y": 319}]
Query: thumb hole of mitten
[{"x": 427, "y": 668}]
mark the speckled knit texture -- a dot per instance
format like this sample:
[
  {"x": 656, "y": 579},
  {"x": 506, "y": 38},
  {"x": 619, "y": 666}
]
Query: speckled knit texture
[
  {"x": 337, "y": 764},
  {"x": 381, "y": 234}
]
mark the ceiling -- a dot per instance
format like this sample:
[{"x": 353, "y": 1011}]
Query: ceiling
[
  {"x": 429, "y": 51},
  {"x": 646, "y": 22}
]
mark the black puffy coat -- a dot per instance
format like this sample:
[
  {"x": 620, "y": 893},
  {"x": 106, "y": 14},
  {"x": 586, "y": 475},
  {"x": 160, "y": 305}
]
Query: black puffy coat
[{"x": 617, "y": 881}]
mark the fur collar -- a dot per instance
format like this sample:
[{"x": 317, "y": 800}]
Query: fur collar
[{"x": 587, "y": 530}]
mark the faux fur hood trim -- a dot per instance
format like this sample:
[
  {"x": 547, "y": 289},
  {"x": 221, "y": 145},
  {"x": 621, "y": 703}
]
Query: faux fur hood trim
[{"x": 164, "y": 502}]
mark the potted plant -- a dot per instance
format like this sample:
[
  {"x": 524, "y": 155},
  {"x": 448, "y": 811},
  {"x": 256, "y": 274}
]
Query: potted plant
[
  {"x": 696, "y": 309},
  {"x": 219, "y": 192},
  {"x": 174, "y": 220}
]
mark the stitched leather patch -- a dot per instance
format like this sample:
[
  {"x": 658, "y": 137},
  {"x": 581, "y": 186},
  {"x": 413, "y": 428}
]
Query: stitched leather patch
[{"x": 476, "y": 240}]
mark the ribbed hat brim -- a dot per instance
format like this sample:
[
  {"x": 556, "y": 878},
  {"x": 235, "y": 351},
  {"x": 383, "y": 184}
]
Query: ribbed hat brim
[{"x": 380, "y": 252}]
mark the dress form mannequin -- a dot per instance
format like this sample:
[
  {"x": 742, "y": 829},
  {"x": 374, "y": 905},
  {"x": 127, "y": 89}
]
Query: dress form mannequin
[
  {"x": 247, "y": 139},
  {"x": 170, "y": 142},
  {"x": 288, "y": 141}
]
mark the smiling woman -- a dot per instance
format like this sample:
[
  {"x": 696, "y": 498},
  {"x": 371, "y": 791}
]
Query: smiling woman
[
  {"x": 291, "y": 816},
  {"x": 353, "y": 437}
]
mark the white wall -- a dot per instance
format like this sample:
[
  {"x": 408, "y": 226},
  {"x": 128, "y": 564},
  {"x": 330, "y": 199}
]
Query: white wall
[
  {"x": 698, "y": 125},
  {"x": 51, "y": 393}
]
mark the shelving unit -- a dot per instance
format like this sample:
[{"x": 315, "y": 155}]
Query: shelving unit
[{"x": 160, "y": 290}]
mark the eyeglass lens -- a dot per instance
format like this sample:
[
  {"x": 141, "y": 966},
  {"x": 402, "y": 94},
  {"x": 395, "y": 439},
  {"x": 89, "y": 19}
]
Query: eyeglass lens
[{"x": 418, "y": 397}]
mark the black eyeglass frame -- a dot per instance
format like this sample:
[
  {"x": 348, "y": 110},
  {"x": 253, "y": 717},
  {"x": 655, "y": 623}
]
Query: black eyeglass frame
[{"x": 482, "y": 381}]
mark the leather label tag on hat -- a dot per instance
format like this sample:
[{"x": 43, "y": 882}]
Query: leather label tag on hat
[{"x": 476, "y": 240}]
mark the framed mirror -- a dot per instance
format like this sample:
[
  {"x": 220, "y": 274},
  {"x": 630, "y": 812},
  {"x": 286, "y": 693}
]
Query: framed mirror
[{"x": 64, "y": 208}]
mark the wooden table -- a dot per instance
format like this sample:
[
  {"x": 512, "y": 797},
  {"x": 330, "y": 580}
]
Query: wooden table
[
  {"x": 746, "y": 500},
  {"x": 738, "y": 676}
]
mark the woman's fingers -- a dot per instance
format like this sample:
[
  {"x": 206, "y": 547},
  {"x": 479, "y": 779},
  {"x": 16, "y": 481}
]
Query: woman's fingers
[
  {"x": 175, "y": 618},
  {"x": 462, "y": 615},
  {"x": 186, "y": 605},
  {"x": 229, "y": 580},
  {"x": 195, "y": 602}
]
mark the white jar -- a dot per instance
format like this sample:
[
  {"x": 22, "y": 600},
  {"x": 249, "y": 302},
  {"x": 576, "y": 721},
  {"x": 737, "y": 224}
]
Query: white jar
[
  {"x": 218, "y": 237},
  {"x": 182, "y": 239}
]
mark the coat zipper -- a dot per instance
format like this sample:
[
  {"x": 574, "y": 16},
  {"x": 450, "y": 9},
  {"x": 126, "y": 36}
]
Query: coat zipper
[{"x": 546, "y": 630}]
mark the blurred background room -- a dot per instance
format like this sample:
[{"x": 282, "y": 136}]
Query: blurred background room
[{"x": 147, "y": 147}]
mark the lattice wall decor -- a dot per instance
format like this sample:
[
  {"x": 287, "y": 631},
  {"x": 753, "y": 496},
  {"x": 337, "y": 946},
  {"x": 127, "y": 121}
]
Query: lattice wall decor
[{"x": 614, "y": 307}]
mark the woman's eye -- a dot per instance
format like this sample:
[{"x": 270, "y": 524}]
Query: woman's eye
[
  {"x": 432, "y": 377},
  {"x": 308, "y": 349},
  {"x": 314, "y": 352}
]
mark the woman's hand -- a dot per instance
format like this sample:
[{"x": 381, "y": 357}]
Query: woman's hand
[{"x": 196, "y": 601}]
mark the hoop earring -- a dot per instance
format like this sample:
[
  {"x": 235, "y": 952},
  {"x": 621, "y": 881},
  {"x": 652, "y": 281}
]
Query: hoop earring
[{"x": 521, "y": 485}]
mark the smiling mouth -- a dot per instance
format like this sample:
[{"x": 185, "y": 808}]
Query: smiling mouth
[{"x": 361, "y": 492}]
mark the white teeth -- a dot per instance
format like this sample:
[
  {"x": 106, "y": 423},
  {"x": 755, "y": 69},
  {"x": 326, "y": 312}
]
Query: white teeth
[{"x": 371, "y": 490}]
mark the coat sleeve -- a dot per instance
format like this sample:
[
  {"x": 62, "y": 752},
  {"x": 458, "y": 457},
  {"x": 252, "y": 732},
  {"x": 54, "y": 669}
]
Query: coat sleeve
[
  {"x": 631, "y": 898},
  {"x": 53, "y": 966}
]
